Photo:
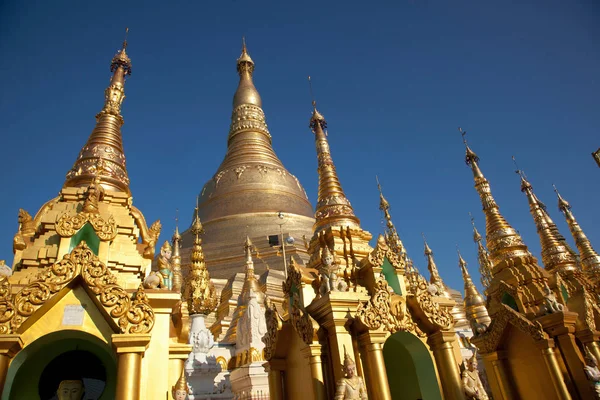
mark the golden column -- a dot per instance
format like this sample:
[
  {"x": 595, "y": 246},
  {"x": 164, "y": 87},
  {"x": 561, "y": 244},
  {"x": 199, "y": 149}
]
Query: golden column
[
  {"x": 496, "y": 371},
  {"x": 274, "y": 368},
  {"x": 547, "y": 348},
  {"x": 371, "y": 344},
  {"x": 313, "y": 353},
  {"x": 129, "y": 349},
  {"x": 443, "y": 352},
  {"x": 9, "y": 346}
]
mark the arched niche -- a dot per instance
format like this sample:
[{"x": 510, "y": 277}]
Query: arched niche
[
  {"x": 410, "y": 368},
  {"x": 88, "y": 235},
  {"x": 76, "y": 351}
]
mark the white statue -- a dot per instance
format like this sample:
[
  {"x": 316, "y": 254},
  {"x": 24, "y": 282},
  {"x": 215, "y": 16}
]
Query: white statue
[
  {"x": 551, "y": 304},
  {"x": 472, "y": 385},
  {"x": 592, "y": 372},
  {"x": 351, "y": 387},
  {"x": 330, "y": 281}
]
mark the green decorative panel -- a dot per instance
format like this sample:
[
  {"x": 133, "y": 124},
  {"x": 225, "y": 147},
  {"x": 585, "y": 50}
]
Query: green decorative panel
[
  {"x": 390, "y": 276},
  {"x": 509, "y": 301},
  {"x": 88, "y": 235},
  {"x": 564, "y": 292}
]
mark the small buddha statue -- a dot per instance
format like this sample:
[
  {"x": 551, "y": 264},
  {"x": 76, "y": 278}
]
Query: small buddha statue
[
  {"x": 351, "y": 387},
  {"x": 551, "y": 304},
  {"x": 180, "y": 390},
  {"x": 592, "y": 372},
  {"x": 472, "y": 385},
  {"x": 71, "y": 389}
]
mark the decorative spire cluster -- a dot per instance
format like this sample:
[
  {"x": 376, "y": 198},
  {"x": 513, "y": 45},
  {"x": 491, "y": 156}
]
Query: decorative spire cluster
[
  {"x": 391, "y": 235},
  {"x": 590, "y": 260},
  {"x": 555, "y": 255},
  {"x": 502, "y": 239},
  {"x": 105, "y": 142},
  {"x": 333, "y": 207},
  {"x": 476, "y": 311},
  {"x": 483, "y": 257},
  {"x": 200, "y": 291}
]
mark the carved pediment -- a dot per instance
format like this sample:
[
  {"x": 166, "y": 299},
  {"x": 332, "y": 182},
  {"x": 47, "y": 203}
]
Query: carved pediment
[{"x": 125, "y": 314}]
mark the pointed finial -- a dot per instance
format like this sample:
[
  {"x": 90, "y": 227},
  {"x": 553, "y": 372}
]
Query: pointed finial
[
  {"x": 244, "y": 50},
  {"x": 563, "y": 205},
  {"x": 125, "y": 40},
  {"x": 176, "y": 235},
  {"x": 197, "y": 225},
  {"x": 476, "y": 236},
  {"x": 427, "y": 248},
  {"x": 316, "y": 118}
]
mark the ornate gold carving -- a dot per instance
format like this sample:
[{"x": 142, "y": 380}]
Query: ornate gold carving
[
  {"x": 274, "y": 325},
  {"x": 435, "y": 314},
  {"x": 489, "y": 341},
  {"x": 222, "y": 362},
  {"x": 130, "y": 316},
  {"x": 152, "y": 239},
  {"x": 67, "y": 226},
  {"x": 384, "y": 309}
]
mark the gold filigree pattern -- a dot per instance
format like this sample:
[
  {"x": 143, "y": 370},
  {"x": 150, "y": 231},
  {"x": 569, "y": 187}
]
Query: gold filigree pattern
[
  {"x": 489, "y": 341},
  {"x": 67, "y": 226},
  {"x": 130, "y": 316},
  {"x": 383, "y": 310},
  {"x": 274, "y": 325},
  {"x": 435, "y": 314}
]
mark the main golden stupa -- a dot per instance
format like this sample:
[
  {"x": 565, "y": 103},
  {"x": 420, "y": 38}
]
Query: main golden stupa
[{"x": 263, "y": 297}]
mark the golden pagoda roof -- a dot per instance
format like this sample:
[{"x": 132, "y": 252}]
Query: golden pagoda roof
[
  {"x": 333, "y": 207},
  {"x": 251, "y": 179},
  {"x": 105, "y": 143}
]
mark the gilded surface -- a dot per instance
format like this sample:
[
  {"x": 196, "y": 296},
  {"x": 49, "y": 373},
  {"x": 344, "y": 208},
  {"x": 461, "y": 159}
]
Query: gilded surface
[
  {"x": 68, "y": 225},
  {"x": 274, "y": 325},
  {"x": 129, "y": 315}
]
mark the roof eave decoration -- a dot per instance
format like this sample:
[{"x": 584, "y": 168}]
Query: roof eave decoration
[
  {"x": 489, "y": 341},
  {"x": 125, "y": 314}
]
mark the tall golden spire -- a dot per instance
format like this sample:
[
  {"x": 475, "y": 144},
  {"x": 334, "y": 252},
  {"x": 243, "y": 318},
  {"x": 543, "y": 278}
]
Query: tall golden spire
[
  {"x": 590, "y": 260},
  {"x": 176, "y": 257},
  {"x": 555, "y": 255},
  {"x": 476, "y": 311},
  {"x": 105, "y": 142},
  {"x": 483, "y": 257},
  {"x": 250, "y": 281},
  {"x": 502, "y": 239},
  {"x": 199, "y": 290},
  {"x": 435, "y": 277},
  {"x": 391, "y": 236},
  {"x": 333, "y": 207}
]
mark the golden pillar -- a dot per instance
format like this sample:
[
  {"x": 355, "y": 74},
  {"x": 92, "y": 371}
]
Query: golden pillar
[
  {"x": 129, "y": 349},
  {"x": 562, "y": 326},
  {"x": 495, "y": 370},
  {"x": 443, "y": 352},
  {"x": 590, "y": 340},
  {"x": 274, "y": 368},
  {"x": 178, "y": 353},
  {"x": 371, "y": 344},
  {"x": 313, "y": 353},
  {"x": 560, "y": 387},
  {"x": 9, "y": 346}
]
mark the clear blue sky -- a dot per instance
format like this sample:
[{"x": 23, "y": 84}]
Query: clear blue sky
[{"x": 394, "y": 82}]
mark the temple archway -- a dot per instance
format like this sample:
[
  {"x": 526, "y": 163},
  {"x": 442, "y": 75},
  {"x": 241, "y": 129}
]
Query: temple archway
[
  {"x": 36, "y": 371},
  {"x": 410, "y": 368}
]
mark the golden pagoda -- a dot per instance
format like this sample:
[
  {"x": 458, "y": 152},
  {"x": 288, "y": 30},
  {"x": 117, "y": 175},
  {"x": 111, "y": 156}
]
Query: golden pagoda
[
  {"x": 263, "y": 298},
  {"x": 534, "y": 338}
]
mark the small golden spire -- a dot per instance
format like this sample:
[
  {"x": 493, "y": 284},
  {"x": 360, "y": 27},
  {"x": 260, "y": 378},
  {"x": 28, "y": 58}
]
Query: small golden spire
[
  {"x": 590, "y": 260},
  {"x": 105, "y": 142},
  {"x": 176, "y": 257},
  {"x": 181, "y": 384},
  {"x": 199, "y": 290},
  {"x": 392, "y": 238},
  {"x": 246, "y": 92},
  {"x": 333, "y": 207},
  {"x": 554, "y": 252},
  {"x": 435, "y": 277},
  {"x": 501, "y": 237},
  {"x": 474, "y": 302},
  {"x": 250, "y": 281},
  {"x": 483, "y": 257}
]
